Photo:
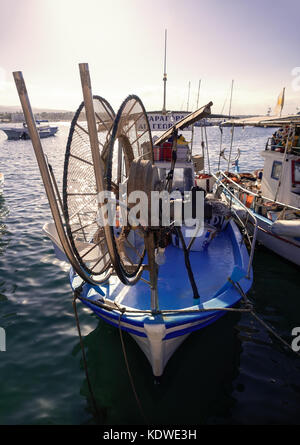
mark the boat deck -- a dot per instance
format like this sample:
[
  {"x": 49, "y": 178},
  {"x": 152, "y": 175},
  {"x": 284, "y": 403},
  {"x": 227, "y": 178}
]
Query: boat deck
[{"x": 211, "y": 269}]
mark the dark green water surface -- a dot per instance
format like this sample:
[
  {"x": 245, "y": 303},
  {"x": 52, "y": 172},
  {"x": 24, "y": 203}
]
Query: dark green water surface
[{"x": 232, "y": 372}]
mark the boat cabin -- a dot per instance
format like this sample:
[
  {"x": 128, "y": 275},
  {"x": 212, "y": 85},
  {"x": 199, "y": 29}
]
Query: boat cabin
[{"x": 281, "y": 173}]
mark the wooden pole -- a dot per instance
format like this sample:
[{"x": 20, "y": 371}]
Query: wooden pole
[
  {"x": 94, "y": 142},
  {"x": 37, "y": 146},
  {"x": 150, "y": 246}
]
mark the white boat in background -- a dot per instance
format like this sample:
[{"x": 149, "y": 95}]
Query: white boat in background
[
  {"x": 273, "y": 193},
  {"x": 16, "y": 133}
]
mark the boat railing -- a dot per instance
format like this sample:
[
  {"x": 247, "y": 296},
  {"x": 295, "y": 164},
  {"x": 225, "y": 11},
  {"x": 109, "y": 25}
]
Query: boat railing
[
  {"x": 256, "y": 195},
  {"x": 241, "y": 222}
]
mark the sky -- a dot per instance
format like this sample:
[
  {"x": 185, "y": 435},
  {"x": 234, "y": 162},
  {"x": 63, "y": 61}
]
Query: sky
[{"x": 256, "y": 43}]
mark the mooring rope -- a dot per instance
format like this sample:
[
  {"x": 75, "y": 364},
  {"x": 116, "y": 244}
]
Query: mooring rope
[
  {"x": 248, "y": 307},
  {"x": 207, "y": 151},
  {"x": 128, "y": 370},
  {"x": 76, "y": 295},
  {"x": 263, "y": 323}
]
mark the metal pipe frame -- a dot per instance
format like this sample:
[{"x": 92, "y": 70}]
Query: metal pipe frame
[{"x": 251, "y": 215}]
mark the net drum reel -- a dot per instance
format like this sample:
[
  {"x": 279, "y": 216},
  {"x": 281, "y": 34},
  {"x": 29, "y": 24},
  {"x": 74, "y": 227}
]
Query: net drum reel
[
  {"x": 131, "y": 145},
  {"x": 80, "y": 200}
]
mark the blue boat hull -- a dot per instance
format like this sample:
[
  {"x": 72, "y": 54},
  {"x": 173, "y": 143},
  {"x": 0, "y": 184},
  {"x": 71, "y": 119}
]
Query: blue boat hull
[{"x": 160, "y": 334}]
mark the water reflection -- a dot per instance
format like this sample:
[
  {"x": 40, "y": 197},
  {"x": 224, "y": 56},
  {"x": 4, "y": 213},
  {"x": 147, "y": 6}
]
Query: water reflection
[{"x": 196, "y": 387}]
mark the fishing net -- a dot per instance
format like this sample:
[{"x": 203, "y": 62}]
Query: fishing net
[
  {"x": 130, "y": 141},
  {"x": 79, "y": 188}
]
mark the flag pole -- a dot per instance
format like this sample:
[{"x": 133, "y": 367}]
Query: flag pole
[{"x": 164, "y": 110}]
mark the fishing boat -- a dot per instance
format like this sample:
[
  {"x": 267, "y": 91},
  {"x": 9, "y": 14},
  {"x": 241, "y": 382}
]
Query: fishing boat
[
  {"x": 15, "y": 133},
  {"x": 273, "y": 192},
  {"x": 162, "y": 269}
]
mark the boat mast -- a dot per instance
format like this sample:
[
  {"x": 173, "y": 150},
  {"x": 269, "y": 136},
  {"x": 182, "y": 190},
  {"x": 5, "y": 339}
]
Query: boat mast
[
  {"x": 199, "y": 85},
  {"x": 188, "y": 99},
  {"x": 197, "y": 104},
  {"x": 229, "y": 114},
  {"x": 164, "y": 110}
]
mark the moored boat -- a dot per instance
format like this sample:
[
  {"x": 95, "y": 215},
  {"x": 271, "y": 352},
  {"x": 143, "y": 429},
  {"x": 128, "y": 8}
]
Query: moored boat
[
  {"x": 15, "y": 133},
  {"x": 273, "y": 192}
]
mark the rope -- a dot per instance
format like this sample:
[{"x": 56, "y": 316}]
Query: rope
[
  {"x": 220, "y": 151},
  {"x": 207, "y": 152},
  {"x": 129, "y": 372},
  {"x": 76, "y": 295},
  {"x": 231, "y": 143},
  {"x": 161, "y": 312},
  {"x": 188, "y": 263},
  {"x": 263, "y": 323}
]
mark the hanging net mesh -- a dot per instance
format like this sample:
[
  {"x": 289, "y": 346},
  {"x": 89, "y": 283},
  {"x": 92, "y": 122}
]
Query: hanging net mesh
[
  {"x": 79, "y": 188},
  {"x": 131, "y": 140}
]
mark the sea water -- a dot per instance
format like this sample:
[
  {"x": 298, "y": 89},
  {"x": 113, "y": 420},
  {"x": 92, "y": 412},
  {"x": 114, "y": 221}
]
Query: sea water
[{"x": 232, "y": 372}]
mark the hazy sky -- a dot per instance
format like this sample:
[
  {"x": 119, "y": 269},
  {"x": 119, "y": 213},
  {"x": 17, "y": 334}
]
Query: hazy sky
[{"x": 255, "y": 42}]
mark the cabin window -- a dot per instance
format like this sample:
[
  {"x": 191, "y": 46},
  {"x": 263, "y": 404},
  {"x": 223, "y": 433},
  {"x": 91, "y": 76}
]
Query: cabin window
[
  {"x": 276, "y": 170},
  {"x": 296, "y": 172}
]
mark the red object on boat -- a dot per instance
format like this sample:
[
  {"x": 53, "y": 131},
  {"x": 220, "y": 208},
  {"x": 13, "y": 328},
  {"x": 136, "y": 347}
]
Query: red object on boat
[{"x": 166, "y": 149}]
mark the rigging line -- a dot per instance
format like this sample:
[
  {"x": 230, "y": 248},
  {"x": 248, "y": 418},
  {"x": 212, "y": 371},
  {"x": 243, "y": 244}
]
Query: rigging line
[
  {"x": 99, "y": 416},
  {"x": 206, "y": 143},
  {"x": 221, "y": 144},
  {"x": 55, "y": 186},
  {"x": 231, "y": 143},
  {"x": 129, "y": 372}
]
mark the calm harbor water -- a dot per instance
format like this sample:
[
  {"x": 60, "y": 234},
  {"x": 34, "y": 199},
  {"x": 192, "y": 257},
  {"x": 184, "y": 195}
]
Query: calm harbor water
[{"x": 232, "y": 372}]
